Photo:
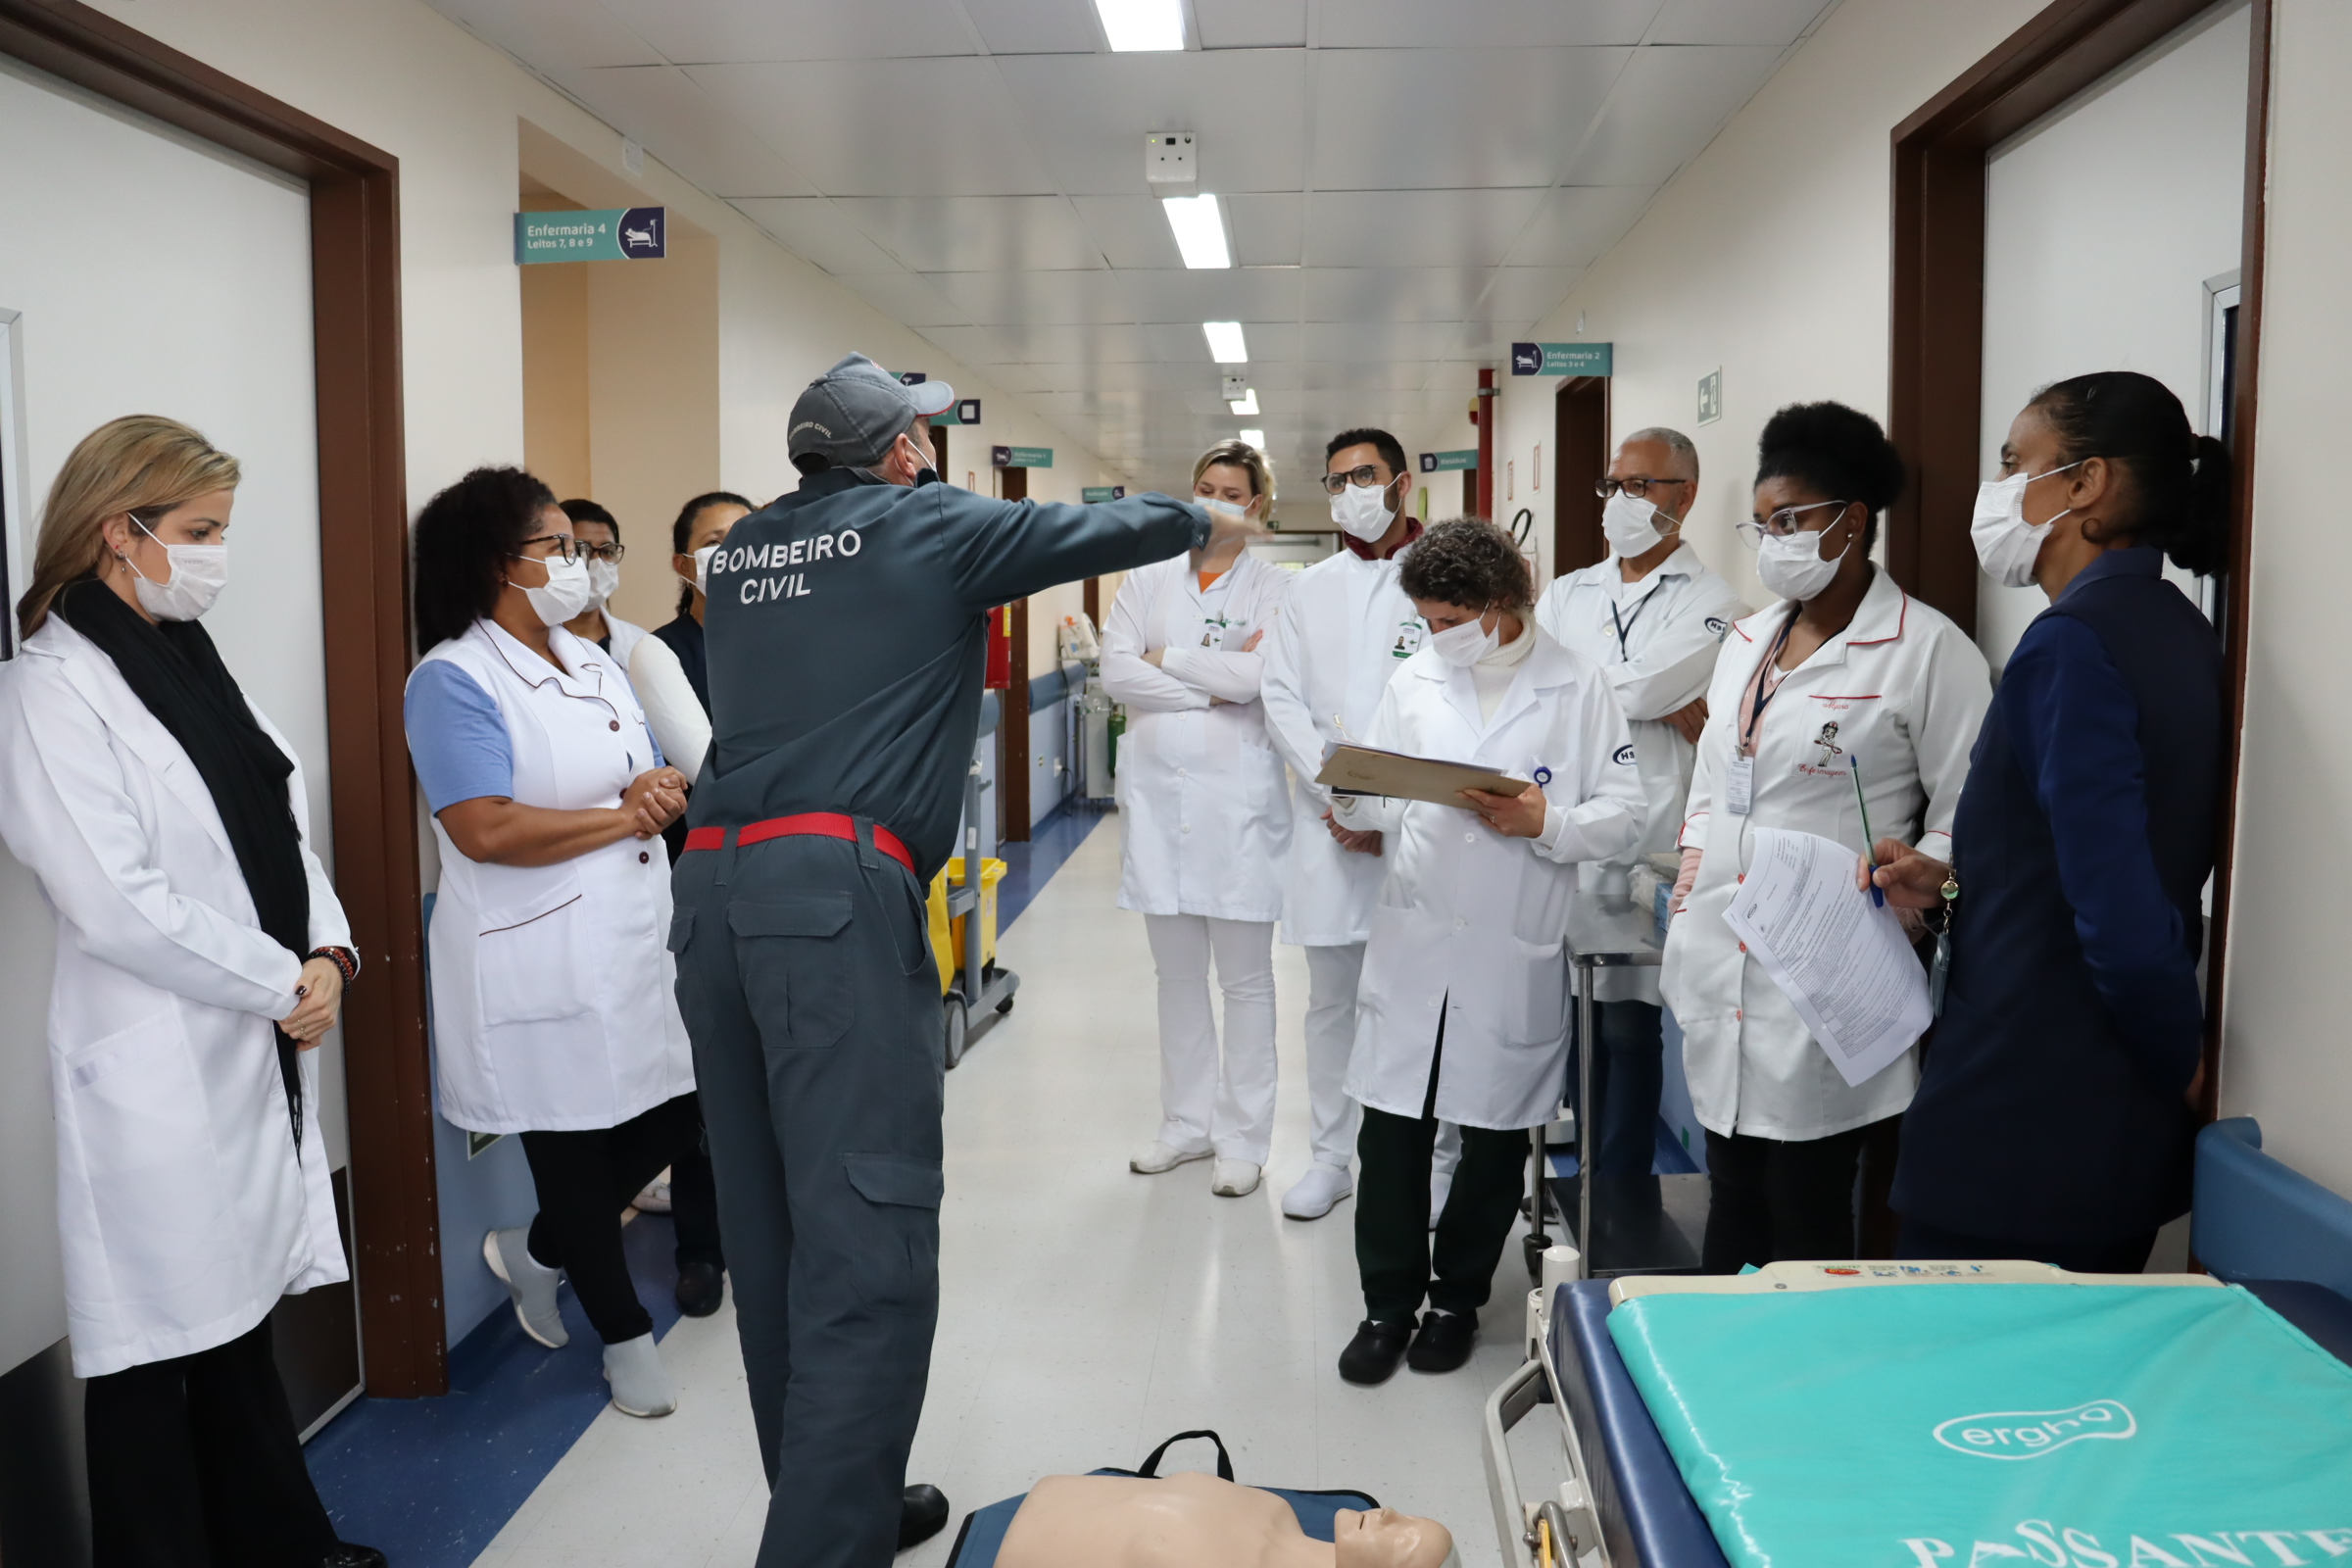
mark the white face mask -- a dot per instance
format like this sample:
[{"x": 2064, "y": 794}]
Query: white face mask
[
  {"x": 702, "y": 569},
  {"x": 2007, "y": 545},
  {"x": 1465, "y": 645},
  {"x": 1631, "y": 525},
  {"x": 1791, "y": 564},
  {"x": 604, "y": 576},
  {"x": 1363, "y": 510},
  {"x": 565, "y": 595},
  {"x": 198, "y": 574}
]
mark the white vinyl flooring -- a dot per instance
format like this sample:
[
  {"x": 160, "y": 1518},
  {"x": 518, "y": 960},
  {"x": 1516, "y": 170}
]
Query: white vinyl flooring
[{"x": 1085, "y": 1312}]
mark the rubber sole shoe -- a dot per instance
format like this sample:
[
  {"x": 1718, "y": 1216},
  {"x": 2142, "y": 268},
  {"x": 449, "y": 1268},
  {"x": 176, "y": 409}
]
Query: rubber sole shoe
[
  {"x": 701, "y": 1287},
  {"x": 641, "y": 1384},
  {"x": 1443, "y": 1343},
  {"x": 531, "y": 1283},
  {"x": 1373, "y": 1355},
  {"x": 1156, "y": 1157},
  {"x": 1315, "y": 1193},
  {"x": 1234, "y": 1178},
  {"x": 922, "y": 1513}
]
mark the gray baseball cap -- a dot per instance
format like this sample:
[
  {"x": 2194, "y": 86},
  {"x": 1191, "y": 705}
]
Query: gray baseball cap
[{"x": 851, "y": 414}]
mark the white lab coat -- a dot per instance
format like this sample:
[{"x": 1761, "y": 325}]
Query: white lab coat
[
  {"x": 1200, "y": 788},
  {"x": 1907, "y": 691},
  {"x": 1345, "y": 628},
  {"x": 1474, "y": 921},
  {"x": 625, "y": 636},
  {"x": 1673, "y": 625},
  {"x": 554, "y": 1005},
  {"x": 185, "y": 1208}
]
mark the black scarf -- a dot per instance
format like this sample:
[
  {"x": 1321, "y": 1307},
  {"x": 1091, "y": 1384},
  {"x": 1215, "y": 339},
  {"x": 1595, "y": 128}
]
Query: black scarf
[{"x": 174, "y": 668}]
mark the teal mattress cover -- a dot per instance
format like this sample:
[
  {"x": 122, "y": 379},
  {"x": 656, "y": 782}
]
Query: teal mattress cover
[{"x": 1994, "y": 1425}]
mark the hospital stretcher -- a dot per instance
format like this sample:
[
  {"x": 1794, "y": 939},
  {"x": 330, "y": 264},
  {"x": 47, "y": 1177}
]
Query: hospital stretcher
[{"x": 1626, "y": 1504}]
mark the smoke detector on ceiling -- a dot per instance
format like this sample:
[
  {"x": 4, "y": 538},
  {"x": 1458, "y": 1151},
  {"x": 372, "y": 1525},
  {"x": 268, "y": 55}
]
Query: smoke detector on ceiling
[{"x": 1169, "y": 163}]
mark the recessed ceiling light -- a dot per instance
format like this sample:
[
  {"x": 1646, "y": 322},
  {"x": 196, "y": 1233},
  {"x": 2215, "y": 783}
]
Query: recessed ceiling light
[
  {"x": 1200, "y": 230},
  {"x": 1225, "y": 342},
  {"x": 1136, "y": 24},
  {"x": 1245, "y": 404},
  {"x": 1256, "y": 438}
]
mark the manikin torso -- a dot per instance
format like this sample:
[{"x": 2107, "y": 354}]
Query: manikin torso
[{"x": 1198, "y": 1521}]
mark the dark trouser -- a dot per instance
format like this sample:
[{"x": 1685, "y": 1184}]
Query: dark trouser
[
  {"x": 2127, "y": 1256},
  {"x": 194, "y": 1464},
  {"x": 1767, "y": 1199},
  {"x": 585, "y": 1179},
  {"x": 805, "y": 976},
  {"x": 694, "y": 1199},
  {"x": 1393, "y": 1248},
  {"x": 1629, "y": 1074}
]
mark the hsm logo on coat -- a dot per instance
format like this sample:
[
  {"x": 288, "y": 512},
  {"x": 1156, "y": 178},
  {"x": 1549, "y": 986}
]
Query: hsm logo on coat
[
  {"x": 1623, "y": 757},
  {"x": 2031, "y": 1434}
]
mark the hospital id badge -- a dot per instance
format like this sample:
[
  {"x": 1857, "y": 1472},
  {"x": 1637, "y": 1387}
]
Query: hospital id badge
[{"x": 1740, "y": 786}]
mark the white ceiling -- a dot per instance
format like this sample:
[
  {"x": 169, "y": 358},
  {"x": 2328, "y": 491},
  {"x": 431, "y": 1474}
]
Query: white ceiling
[{"x": 1409, "y": 184}]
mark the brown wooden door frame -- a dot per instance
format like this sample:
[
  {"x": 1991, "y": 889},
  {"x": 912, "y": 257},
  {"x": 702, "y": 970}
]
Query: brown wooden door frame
[
  {"x": 364, "y": 550},
  {"x": 1013, "y": 721},
  {"x": 1936, "y": 353},
  {"x": 1580, "y": 455}
]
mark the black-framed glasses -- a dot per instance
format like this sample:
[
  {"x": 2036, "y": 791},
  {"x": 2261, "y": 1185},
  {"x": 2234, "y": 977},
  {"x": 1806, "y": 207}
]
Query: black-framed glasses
[
  {"x": 1782, "y": 523},
  {"x": 1634, "y": 485},
  {"x": 567, "y": 548},
  {"x": 1363, "y": 473},
  {"x": 607, "y": 553}
]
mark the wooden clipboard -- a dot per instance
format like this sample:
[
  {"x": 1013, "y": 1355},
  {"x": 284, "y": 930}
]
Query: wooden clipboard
[{"x": 1362, "y": 770}]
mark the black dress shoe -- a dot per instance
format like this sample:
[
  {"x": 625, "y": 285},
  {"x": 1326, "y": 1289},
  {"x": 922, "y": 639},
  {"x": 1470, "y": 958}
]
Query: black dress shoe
[
  {"x": 1443, "y": 1343},
  {"x": 347, "y": 1555},
  {"x": 923, "y": 1514},
  {"x": 1372, "y": 1355},
  {"x": 701, "y": 1287}
]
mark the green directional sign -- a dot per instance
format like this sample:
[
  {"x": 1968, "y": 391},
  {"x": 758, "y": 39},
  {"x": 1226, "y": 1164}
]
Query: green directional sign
[
  {"x": 613, "y": 234},
  {"x": 1104, "y": 492},
  {"x": 1563, "y": 358},
  {"x": 1020, "y": 457},
  {"x": 1448, "y": 462}
]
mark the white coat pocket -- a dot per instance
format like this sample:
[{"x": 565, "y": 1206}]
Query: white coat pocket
[
  {"x": 142, "y": 1125},
  {"x": 527, "y": 966},
  {"x": 1536, "y": 1009}
]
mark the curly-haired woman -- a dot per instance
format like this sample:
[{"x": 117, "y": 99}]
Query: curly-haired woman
[{"x": 1463, "y": 1011}]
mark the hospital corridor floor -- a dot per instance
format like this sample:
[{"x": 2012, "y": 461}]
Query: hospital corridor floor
[{"x": 1086, "y": 1313}]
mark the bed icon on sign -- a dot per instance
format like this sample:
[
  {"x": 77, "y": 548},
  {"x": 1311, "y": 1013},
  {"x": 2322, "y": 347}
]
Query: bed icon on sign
[
  {"x": 644, "y": 233},
  {"x": 2031, "y": 1434}
]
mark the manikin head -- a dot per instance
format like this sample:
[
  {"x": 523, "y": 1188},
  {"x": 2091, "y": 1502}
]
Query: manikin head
[{"x": 1383, "y": 1538}]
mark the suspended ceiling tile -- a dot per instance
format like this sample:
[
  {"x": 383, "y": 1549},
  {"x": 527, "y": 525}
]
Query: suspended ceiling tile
[
  {"x": 1234, "y": 294},
  {"x": 664, "y": 110},
  {"x": 1576, "y": 223},
  {"x": 1088, "y": 116},
  {"x": 1267, "y": 228},
  {"x": 1268, "y": 342},
  {"x": 1669, "y": 105},
  {"x": 796, "y": 30},
  {"x": 1011, "y": 379},
  {"x": 1035, "y": 27},
  {"x": 814, "y": 228},
  {"x": 1777, "y": 23},
  {"x": 1098, "y": 342},
  {"x": 1388, "y": 118},
  {"x": 1416, "y": 227},
  {"x": 1139, "y": 375},
  {"x": 1375, "y": 294},
  {"x": 552, "y": 35},
  {"x": 1346, "y": 342},
  {"x": 1488, "y": 23},
  {"x": 1131, "y": 230},
  {"x": 976, "y": 233},
  {"x": 1521, "y": 296},
  {"x": 903, "y": 297},
  {"x": 1365, "y": 377},
  {"x": 975, "y": 346},
  {"x": 886, "y": 128},
  {"x": 1251, "y": 23},
  {"x": 1025, "y": 298}
]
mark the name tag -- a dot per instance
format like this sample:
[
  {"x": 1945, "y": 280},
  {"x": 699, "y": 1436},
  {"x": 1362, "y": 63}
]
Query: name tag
[{"x": 1740, "y": 786}]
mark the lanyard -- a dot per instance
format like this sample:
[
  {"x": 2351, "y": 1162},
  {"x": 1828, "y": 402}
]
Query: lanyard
[
  {"x": 1625, "y": 626},
  {"x": 1767, "y": 688}
]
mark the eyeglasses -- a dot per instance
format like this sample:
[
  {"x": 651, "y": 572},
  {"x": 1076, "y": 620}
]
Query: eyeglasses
[
  {"x": 1782, "y": 523},
  {"x": 567, "y": 548},
  {"x": 1363, "y": 474},
  {"x": 1634, "y": 485},
  {"x": 612, "y": 553}
]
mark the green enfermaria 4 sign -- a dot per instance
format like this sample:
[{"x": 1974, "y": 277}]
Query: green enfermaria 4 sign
[{"x": 613, "y": 234}]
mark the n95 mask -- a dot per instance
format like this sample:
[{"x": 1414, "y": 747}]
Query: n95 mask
[
  {"x": 2007, "y": 545},
  {"x": 1791, "y": 564},
  {"x": 1631, "y": 525},
  {"x": 1465, "y": 645},
  {"x": 198, "y": 574},
  {"x": 1363, "y": 510}
]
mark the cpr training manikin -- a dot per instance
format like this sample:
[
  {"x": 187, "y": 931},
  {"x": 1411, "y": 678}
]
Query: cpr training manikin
[{"x": 1198, "y": 1521}]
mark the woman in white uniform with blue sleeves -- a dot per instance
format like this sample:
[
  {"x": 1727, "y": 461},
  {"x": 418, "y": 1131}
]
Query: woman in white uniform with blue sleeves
[
  {"x": 1205, "y": 819},
  {"x": 554, "y": 1013}
]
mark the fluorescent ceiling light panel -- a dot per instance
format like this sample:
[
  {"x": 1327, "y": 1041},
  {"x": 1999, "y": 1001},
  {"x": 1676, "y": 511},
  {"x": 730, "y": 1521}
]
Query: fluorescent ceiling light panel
[
  {"x": 1139, "y": 25},
  {"x": 1256, "y": 438},
  {"x": 1245, "y": 404},
  {"x": 1225, "y": 342},
  {"x": 1200, "y": 230}
]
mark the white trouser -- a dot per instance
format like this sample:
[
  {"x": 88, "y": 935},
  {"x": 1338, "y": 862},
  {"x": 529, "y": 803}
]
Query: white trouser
[
  {"x": 1228, "y": 1110},
  {"x": 1332, "y": 975}
]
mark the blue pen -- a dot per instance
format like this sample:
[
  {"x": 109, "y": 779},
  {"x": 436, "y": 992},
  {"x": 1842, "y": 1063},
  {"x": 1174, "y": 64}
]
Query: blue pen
[{"x": 1870, "y": 851}]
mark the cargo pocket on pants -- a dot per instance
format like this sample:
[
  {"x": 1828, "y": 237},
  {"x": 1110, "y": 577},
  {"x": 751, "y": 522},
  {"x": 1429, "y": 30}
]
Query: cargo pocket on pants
[
  {"x": 797, "y": 974},
  {"x": 898, "y": 1262}
]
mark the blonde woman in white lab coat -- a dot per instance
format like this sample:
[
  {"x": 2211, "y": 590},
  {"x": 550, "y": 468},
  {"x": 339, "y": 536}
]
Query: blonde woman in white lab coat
[
  {"x": 201, "y": 955},
  {"x": 1202, "y": 805},
  {"x": 1846, "y": 671},
  {"x": 1463, "y": 1015}
]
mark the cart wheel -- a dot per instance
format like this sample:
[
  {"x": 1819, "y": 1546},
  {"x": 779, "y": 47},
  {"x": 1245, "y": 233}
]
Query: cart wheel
[
  {"x": 956, "y": 1030},
  {"x": 1005, "y": 1006},
  {"x": 1534, "y": 1258}
]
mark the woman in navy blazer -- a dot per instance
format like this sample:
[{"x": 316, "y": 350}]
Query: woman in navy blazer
[{"x": 2056, "y": 1112}]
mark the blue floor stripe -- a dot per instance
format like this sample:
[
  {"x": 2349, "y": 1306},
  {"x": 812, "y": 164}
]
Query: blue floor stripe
[
  {"x": 1029, "y": 866},
  {"x": 429, "y": 1482}
]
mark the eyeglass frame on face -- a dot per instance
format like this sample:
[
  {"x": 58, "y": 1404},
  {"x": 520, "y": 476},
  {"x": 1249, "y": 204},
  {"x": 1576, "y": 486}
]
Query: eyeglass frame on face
[
  {"x": 566, "y": 547},
  {"x": 1363, "y": 475},
  {"x": 1751, "y": 533},
  {"x": 1634, "y": 485}
]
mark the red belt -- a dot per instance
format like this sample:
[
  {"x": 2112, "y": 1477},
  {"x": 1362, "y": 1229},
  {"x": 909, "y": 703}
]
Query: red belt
[{"x": 814, "y": 824}]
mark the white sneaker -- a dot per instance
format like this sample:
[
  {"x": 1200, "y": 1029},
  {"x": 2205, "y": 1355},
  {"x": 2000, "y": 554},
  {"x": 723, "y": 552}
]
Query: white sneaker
[
  {"x": 641, "y": 1382},
  {"x": 1314, "y": 1193},
  {"x": 1156, "y": 1157},
  {"x": 1234, "y": 1178},
  {"x": 655, "y": 1199},
  {"x": 531, "y": 1283},
  {"x": 1440, "y": 1185}
]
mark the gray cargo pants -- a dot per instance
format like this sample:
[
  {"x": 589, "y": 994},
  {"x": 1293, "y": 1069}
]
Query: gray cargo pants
[{"x": 805, "y": 976}]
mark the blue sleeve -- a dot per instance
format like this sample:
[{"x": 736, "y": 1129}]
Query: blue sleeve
[
  {"x": 457, "y": 737},
  {"x": 2075, "y": 727}
]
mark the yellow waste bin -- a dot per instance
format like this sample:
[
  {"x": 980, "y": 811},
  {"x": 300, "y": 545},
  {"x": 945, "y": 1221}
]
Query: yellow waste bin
[{"x": 947, "y": 936}]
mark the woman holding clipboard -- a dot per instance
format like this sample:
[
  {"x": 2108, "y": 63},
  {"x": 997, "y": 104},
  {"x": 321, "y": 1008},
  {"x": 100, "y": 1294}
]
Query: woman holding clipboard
[{"x": 1463, "y": 1012}]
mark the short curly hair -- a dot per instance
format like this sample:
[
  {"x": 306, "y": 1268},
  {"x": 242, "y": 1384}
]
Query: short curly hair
[
  {"x": 463, "y": 538},
  {"x": 1468, "y": 561},
  {"x": 1838, "y": 451}
]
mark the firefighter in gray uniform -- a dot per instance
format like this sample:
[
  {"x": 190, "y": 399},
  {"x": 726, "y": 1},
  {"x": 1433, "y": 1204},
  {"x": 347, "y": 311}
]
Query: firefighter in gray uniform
[{"x": 847, "y": 636}]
